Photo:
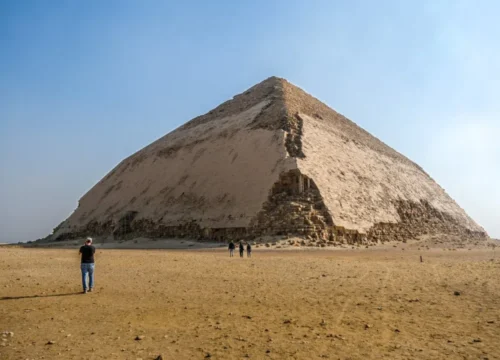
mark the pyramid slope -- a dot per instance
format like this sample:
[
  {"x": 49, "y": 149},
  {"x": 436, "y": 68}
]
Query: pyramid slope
[
  {"x": 185, "y": 176},
  {"x": 235, "y": 172},
  {"x": 361, "y": 186}
]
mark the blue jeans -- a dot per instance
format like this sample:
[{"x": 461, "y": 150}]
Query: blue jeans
[{"x": 87, "y": 269}]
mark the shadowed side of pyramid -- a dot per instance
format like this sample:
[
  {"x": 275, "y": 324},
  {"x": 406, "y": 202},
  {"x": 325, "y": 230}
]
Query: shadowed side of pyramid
[{"x": 271, "y": 161}]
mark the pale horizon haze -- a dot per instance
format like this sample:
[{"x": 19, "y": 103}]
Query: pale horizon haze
[{"x": 83, "y": 85}]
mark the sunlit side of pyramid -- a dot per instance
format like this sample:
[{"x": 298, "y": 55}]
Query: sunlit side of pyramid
[{"x": 271, "y": 161}]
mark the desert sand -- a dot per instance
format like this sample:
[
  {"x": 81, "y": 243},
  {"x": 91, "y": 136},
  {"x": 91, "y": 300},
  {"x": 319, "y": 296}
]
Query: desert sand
[{"x": 196, "y": 304}]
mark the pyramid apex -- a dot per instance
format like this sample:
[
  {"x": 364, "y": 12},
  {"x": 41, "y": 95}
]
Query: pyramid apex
[{"x": 273, "y": 79}]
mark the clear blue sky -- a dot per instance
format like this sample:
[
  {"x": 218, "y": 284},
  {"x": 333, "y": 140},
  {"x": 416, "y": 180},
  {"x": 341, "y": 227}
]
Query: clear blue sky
[{"x": 83, "y": 84}]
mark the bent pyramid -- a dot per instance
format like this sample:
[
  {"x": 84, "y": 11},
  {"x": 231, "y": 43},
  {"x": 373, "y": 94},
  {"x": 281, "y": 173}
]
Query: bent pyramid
[{"x": 271, "y": 161}]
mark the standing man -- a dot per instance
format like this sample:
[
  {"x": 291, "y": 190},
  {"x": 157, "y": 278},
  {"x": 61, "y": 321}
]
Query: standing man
[
  {"x": 87, "y": 265},
  {"x": 231, "y": 248},
  {"x": 249, "y": 250},
  {"x": 242, "y": 249}
]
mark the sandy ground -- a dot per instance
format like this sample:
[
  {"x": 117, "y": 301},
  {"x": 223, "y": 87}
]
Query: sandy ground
[{"x": 351, "y": 304}]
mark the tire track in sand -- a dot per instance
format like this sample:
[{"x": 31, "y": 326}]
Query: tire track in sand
[
  {"x": 350, "y": 301},
  {"x": 387, "y": 334}
]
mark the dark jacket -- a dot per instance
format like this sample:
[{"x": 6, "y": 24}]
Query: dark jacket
[
  {"x": 242, "y": 247},
  {"x": 231, "y": 246},
  {"x": 249, "y": 248}
]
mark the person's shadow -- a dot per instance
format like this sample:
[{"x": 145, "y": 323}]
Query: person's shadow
[{"x": 36, "y": 296}]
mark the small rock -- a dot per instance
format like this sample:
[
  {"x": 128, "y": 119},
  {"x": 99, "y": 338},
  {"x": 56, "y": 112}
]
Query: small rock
[
  {"x": 159, "y": 357},
  {"x": 268, "y": 351},
  {"x": 397, "y": 330},
  {"x": 50, "y": 342},
  {"x": 208, "y": 355},
  {"x": 457, "y": 293},
  {"x": 477, "y": 340},
  {"x": 367, "y": 326},
  {"x": 139, "y": 337}
]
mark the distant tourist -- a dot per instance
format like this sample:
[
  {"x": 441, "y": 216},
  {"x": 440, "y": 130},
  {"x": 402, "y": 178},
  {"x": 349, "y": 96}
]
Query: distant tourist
[
  {"x": 231, "y": 249},
  {"x": 87, "y": 265},
  {"x": 249, "y": 250},
  {"x": 242, "y": 249}
]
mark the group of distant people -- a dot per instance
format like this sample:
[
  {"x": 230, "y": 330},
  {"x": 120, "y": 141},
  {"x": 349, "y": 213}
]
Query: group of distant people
[{"x": 232, "y": 246}]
